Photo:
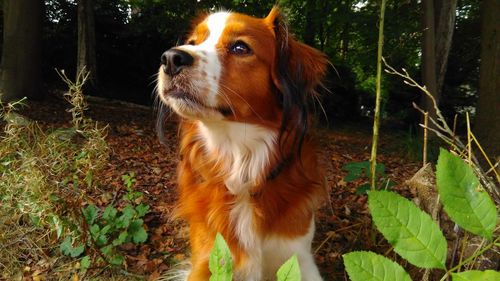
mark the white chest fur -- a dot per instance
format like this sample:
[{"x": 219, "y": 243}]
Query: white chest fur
[{"x": 243, "y": 149}]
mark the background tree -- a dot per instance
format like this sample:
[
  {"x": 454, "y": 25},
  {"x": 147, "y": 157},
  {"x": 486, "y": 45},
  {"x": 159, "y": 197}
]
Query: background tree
[
  {"x": 131, "y": 35},
  {"x": 22, "y": 48},
  {"x": 438, "y": 26},
  {"x": 445, "y": 11},
  {"x": 488, "y": 116},
  {"x": 86, "y": 58},
  {"x": 429, "y": 57}
]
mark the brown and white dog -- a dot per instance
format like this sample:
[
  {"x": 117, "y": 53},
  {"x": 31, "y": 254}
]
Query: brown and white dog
[{"x": 248, "y": 170}]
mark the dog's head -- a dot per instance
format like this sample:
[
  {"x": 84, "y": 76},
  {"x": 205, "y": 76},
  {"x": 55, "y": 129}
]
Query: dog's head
[{"x": 239, "y": 68}]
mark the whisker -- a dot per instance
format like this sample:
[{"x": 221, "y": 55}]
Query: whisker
[
  {"x": 242, "y": 98},
  {"x": 228, "y": 101}
]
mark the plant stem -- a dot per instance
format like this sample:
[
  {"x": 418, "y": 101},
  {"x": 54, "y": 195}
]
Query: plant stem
[
  {"x": 376, "y": 121},
  {"x": 426, "y": 125},
  {"x": 469, "y": 259}
]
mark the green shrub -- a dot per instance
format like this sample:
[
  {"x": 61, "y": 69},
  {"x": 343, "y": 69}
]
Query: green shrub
[
  {"x": 361, "y": 171},
  {"x": 417, "y": 238}
]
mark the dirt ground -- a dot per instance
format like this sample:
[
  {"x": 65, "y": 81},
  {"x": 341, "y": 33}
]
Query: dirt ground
[{"x": 343, "y": 222}]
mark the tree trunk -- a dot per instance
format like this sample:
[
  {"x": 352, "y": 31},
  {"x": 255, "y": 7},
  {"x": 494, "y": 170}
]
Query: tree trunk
[
  {"x": 21, "y": 74},
  {"x": 445, "y": 14},
  {"x": 487, "y": 124},
  {"x": 86, "y": 42},
  {"x": 429, "y": 57},
  {"x": 311, "y": 23},
  {"x": 344, "y": 41}
]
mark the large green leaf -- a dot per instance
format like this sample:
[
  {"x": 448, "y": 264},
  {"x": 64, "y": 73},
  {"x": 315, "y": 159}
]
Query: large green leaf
[
  {"x": 463, "y": 199},
  {"x": 412, "y": 232},
  {"x": 290, "y": 270},
  {"x": 368, "y": 266},
  {"x": 220, "y": 262},
  {"x": 476, "y": 275}
]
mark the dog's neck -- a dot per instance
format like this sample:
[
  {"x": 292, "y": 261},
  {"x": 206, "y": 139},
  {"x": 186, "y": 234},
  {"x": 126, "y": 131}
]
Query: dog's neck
[{"x": 244, "y": 150}]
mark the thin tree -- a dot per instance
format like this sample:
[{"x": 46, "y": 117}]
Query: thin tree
[
  {"x": 86, "y": 42},
  {"x": 376, "y": 121},
  {"x": 21, "y": 74},
  {"x": 445, "y": 15},
  {"x": 438, "y": 25}
]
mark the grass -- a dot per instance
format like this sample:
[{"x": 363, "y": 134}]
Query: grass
[{"x": 46, "y": 174}]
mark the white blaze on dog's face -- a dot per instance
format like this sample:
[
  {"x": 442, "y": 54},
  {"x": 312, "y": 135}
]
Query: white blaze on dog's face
[{"x": 224, "y": 72}]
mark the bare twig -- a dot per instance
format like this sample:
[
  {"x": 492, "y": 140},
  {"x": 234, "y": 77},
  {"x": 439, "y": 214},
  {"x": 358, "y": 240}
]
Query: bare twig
[
  {"x": 443, "y": 131},
  {"x": 426, "y": 124}
]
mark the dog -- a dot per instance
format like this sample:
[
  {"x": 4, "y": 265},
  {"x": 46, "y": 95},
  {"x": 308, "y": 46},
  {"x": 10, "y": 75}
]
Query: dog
[{"x": 243, "y": 88}]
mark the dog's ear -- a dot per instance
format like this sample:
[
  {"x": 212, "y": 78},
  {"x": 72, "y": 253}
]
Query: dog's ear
[
  {"x": 304, "y": 65},
  {"x": 296, "y": 71}
]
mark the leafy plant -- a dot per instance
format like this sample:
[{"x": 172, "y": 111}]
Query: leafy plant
[
  {"x": 129, "y": 181},
  {"x": 370, "y": 266},
  {"x": 109, "y": 230},
  {"x": 41, "y": 172},
  {"x": 411, "y": 231},
  {"x": 290, "y": 270},
  {"x": 361, "y": 170},
  {"x": 221, "y": 264},
  {"x": 463, "y": 198},
  {"x": 417, "y": 238}
]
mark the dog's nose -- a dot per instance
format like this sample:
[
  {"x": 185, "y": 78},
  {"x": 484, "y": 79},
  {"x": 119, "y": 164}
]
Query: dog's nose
[{"x": 174, "y": 60}]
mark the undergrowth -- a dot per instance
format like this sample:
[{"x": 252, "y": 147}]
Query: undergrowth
[{"x": 47, "y": 175}]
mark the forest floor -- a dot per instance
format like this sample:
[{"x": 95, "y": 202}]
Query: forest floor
[{"x": 343, "y": 222}]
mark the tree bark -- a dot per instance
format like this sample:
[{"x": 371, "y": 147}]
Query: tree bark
[
  {"x": 429, "y": 57},
  {"x": 311, "y": 23},
  {"x": 344, "y": 41},
  {"x": 445, "y": 12},
  {"x": 86, "y": 42},
  {"x": 21, "y": 74},
  {"x": 487, "y": 123}
]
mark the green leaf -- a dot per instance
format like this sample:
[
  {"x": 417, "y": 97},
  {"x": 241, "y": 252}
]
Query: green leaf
[
  {"x": 366, "y": 266},
  {"x": 412, "y": 232},
  {"x": 101, "y": 240},
  {"x": 476, "y": 275},
  {"x": 81, "y": 155},
  {"x": 75, "y": 252},
  {"x": 362, "y": 189},
  {"x": 220, "y": 262},
  {"x": 354, "y": 170},
  {"x": 109, "y": 213},
  {"x": 105, "y": 229},
  {"x": 107, "y": 250},
  {"x": 127, "y": 214},
  {"x": 116, "y": 259},
  {"x": 121, "y": 238},
  {"x": 90, "y": 213},
  {"x": 137, "y": 232},
  {"x": 85, "y": 263},
  {"x": 67, "y": 248},
  {"x": 142, "y": 210},
  {"x": 290, "y": 270},
  {"x": 35, "y": 220},
  {"x": 89, "y": 177},
  {"x": 463, "y": 199},
  {"x": 94, "y": 231},
  {"x": 58, "y": 225}
]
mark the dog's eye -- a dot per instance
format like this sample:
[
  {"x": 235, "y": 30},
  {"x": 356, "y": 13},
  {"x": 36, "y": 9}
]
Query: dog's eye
[{"x": 240, "y": 48}]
